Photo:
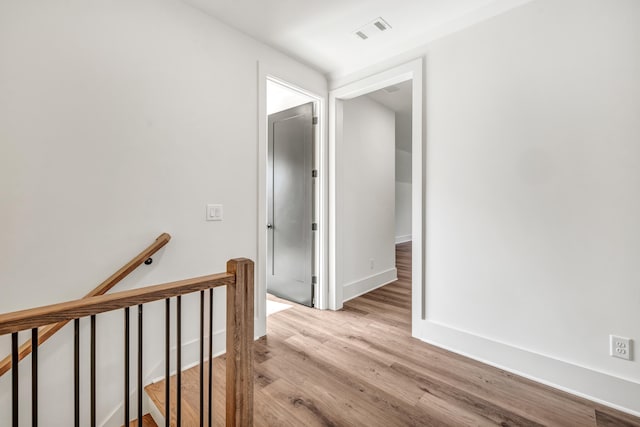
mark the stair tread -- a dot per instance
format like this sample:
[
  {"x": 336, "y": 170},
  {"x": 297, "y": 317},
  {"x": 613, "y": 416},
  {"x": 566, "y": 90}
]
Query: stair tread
[
  {"x": 191, "y": 394},
  {"x": 147, "y": 421}
]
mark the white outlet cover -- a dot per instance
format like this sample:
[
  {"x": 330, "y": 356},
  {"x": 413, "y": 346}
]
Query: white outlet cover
[{"x": 620, "y": 347}]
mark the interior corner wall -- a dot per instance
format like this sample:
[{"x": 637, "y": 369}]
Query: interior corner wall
[
  {"x": 119, "y": 121},
  {"x": 403, "y": 178},
  {"x": 533, "y": 193},
  {"x": 366, "y": 197}
]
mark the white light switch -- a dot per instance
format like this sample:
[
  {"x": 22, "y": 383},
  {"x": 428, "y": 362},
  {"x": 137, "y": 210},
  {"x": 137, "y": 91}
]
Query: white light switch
[{"x": 214, "y": 212}]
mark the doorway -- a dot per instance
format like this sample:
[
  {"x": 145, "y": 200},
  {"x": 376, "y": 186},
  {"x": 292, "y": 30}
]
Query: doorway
[
  {"x": 373, "y": 199},
  {"x": 292, "y": 187},
  {"x": 411, "y": 71}
]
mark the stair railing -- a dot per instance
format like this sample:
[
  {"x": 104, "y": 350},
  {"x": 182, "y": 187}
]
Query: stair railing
[
  {"x": 239, "y": 281},
  {"x": 104, "y": 287}
]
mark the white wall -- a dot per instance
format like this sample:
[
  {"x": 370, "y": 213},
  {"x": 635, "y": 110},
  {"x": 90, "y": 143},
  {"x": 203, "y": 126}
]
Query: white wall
[
  {"x": 533, "y": 193},
  {"x": 403, "y": 200},
  {"x": 366, "y": 197},
  {"x": 533, "y": 180},
  {"x": 120, "y": 120},
  {"x": 403, "y": 178}
]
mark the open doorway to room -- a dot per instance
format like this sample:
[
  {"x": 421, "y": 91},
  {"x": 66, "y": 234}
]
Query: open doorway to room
[
  {"x": 376, "y": 186},
  {"x": 291, "y": 196},
  {"x": 397, "y": 98},
  {"x": 374, "y": 197}
]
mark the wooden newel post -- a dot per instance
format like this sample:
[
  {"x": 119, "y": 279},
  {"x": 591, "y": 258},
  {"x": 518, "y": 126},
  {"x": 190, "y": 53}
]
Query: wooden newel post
[{"x": 240, "y": 344}]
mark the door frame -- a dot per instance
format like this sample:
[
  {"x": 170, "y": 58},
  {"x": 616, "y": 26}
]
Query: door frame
[
  {"x": 413, "y": 71},
  {"x": 285, "y": 78}
]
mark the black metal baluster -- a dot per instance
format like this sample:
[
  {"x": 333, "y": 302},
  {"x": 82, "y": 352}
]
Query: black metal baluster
[
  {"x": 210, "y": 355},
  {"x": 93, "y": 371},
  {"x": 14, "y": 378},
  {"x": 76, "y": 372},
  {"x": 140, "y": 364},
  {"x": 34, "y": 377},
  {"x": 179, "y": 361},
  {"x": 167, "y": 368},
  {"x": 201, "y": 358},
  {"x": 126, "y": 366}
]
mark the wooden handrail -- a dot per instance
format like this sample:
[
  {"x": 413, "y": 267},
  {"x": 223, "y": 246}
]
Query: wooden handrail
[
  {"x": 135, "y": 262},
  {"x": 48, "y": 331},
  {"x": 70, "y": 310}
]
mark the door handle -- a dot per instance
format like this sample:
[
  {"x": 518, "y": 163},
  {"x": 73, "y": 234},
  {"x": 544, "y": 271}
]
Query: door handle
[{"x": 269, "y": 226}]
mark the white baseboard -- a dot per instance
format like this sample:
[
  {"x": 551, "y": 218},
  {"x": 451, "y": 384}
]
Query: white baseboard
[
  {"x": 617, "y": 393},
  {"x": 403, "y": 239},
  {"x": 367, "y": 284}
]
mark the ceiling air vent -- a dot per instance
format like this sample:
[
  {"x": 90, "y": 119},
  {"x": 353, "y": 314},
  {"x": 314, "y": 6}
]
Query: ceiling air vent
[
  {"x": 374, "y": 28},
  {"x": 381, "y": 25}
]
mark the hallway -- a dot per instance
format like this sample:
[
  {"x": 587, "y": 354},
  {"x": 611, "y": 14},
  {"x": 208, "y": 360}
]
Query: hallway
[{"x": 361, "y": 367}]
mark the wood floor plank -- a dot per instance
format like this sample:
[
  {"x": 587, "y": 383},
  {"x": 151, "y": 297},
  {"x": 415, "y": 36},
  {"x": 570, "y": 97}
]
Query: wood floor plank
[
  {"x": 522, "y": 397},
  {"x": 310, "y": 405},
  {"x": 147, "y": 421},
  {"x": 605, "y": 419},
  {"x": 451, "y": 414},
  {"x": 461, "y": 397},
  {"x": 387, "y": 409}
]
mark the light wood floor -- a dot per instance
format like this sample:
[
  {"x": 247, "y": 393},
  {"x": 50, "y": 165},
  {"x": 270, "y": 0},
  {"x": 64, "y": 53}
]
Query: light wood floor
[
  {"x": 147, "y": 421},
  {"x": 360, "y": 367}
]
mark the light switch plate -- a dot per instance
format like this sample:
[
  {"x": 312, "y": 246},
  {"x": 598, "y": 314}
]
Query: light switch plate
[{"x": 214, "y": 212}]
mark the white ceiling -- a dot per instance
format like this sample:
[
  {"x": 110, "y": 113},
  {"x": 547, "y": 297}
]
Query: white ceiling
[
  {"x": 321, "y": 33},
  {"x": 397, "y": 98}
]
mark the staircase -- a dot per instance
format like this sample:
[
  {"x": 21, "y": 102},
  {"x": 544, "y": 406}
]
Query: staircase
[{"x": 225, "y": 391}]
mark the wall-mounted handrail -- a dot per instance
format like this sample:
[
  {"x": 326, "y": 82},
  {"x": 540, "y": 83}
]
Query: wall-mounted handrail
[
  {"x": 239, "y": 280},
  {"x": 48, "y": 331},
  {"x": 135, "y": 262}
]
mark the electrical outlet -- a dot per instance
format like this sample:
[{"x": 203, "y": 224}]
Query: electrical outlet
[
  {"x": 372, "y": 264},
  {"x": 620, "y": 347}
]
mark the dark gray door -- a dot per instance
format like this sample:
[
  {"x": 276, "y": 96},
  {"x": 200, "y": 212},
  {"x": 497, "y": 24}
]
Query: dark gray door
[{"x": 290, "y": 202}]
